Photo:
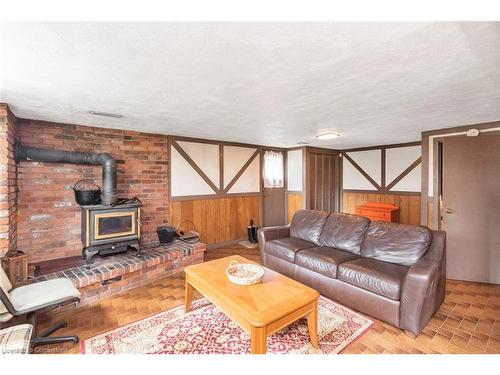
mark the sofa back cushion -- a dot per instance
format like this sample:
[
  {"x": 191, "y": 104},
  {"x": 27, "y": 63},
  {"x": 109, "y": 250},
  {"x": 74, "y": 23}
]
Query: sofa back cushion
[
  {"x": 396, "y": 243},
  {"x": 344, "y": 232},
  {"x": 308, "y": 224}
]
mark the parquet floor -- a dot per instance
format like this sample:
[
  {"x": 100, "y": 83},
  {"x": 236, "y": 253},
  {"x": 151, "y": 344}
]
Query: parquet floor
[{"x": 467, "y": 322}]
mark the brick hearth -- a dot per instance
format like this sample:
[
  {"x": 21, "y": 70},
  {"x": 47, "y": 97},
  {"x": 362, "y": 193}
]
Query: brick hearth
[{"x": 114, "y": 274}]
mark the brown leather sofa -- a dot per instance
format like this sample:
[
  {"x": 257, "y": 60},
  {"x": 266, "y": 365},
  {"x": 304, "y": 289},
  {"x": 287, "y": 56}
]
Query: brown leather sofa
[{"x": 392, "y": 272}]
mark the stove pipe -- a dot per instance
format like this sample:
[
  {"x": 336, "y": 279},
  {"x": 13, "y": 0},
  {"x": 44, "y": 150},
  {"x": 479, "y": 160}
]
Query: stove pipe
[{"x": 109, "y": 195}]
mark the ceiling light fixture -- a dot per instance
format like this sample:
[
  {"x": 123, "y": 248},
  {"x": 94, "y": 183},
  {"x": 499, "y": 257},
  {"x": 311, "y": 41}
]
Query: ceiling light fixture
[
  {"x": 327, "y": 136},
  {"x": 105, "y": 114}
]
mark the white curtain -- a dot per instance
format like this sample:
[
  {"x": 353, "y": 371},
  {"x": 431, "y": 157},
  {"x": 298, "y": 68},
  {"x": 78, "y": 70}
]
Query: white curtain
[{"x": 273, "y": 169}]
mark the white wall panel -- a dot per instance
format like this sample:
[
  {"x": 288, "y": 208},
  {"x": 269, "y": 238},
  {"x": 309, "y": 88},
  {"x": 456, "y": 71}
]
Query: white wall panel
[
  {"x": 411, "y": 182},
  {"x": 398, "y": 159},
  {"x": 370, "y": 161},
  {"x": 294, "y": 170},
  {"x": 206, "y": 157},
  {"x": 249, "y": 181},
  {"x": 184, "y": 179},
  {"x": 353, "y": 179},
  {"x": 234, "y": 158}
]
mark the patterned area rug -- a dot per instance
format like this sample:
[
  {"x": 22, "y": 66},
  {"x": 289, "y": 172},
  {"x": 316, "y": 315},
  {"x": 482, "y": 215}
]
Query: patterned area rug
[{"x": 207, "y": 330}]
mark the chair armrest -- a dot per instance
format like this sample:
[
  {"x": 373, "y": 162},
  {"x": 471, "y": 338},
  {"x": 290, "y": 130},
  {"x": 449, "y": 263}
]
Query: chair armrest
[
  {"x": 423, "y": 287},
  {"x": 269, "y": 234},
  {"x": 4, "y": 298}
]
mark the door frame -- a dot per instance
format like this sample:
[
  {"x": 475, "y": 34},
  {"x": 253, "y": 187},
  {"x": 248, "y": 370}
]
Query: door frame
[
  {"x": 263, "y": 149},
  {"x": 430, "y": 166}
]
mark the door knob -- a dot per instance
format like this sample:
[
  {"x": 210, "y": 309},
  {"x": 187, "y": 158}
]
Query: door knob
[
  {"x": 448, "y": 211},
  {"x": 266, "y": 195}
]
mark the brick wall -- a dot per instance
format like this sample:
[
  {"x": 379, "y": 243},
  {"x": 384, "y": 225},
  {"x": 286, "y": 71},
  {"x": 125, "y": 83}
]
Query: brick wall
[
  {"x": 8, "y": 190},
  {"x": 48, "y": 219}
]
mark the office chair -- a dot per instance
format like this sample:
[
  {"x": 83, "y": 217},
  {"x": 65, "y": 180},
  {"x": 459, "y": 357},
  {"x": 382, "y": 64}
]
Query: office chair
[{"x": 33, "y": 298}]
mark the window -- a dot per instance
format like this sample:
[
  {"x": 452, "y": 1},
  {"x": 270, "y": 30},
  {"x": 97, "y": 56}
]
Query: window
[{"x": 273, "y": 169}]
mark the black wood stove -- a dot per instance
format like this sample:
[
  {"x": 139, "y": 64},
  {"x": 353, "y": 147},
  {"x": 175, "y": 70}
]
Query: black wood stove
[{"x": 110, "y": 229}]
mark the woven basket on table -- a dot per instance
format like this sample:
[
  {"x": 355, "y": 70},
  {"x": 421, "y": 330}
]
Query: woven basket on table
[{"x": 244, "y": 273}]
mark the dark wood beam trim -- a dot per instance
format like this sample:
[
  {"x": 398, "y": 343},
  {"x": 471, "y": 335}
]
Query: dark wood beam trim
[
  {"x": 221, "y": 167},
  {"x": 195, "y": 166},
  {"x": 395, "y": 145},
  {"x": 341, "y": 183},
  {"x": 361, "y": 170},
  {"x": 382, "y": 192},
  {"x": 241, "y": 171},
  {"x": 404, "y": 173},
  {"x": 321, "y": 150},
  {"x": 213, "y": 196},
  {"x": 169, "y": 154},
  {"x": 181, "y": 198},
  {"x": 216, "y": 142},
  {"x": 383, "y": 167}
]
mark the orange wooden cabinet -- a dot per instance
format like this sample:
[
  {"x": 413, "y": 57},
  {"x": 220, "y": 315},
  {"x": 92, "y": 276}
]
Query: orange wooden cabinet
[{"x": 377, "y": 211}]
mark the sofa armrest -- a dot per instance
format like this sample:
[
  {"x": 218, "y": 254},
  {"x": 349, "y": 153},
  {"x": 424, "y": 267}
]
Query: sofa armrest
[
  {"x": 423, "y": 288},
  {"x": 269, "y": 234}
]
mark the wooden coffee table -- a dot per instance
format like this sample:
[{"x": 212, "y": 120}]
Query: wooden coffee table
[{"x": 259, "y": 309}]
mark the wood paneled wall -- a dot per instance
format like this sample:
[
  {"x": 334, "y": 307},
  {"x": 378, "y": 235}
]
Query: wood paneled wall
[
  {"x": 295, "y": 202},
  {"x": 409, "y": 204},
  {"x": 218, "y": 220}
]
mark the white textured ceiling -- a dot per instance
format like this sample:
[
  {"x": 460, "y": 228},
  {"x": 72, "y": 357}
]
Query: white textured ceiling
[{"x": 262, "y": 83}]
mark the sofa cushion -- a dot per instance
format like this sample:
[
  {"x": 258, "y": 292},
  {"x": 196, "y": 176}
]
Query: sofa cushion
[
  {"x": 307, "y": 225},
  {"x": 396, "y": 243},
  {"x": 344, "y": 232},
  {"x": 384, "y": 279},
  {"x": 285, "y": 248},
  {"x": 323, "y": 260}
]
